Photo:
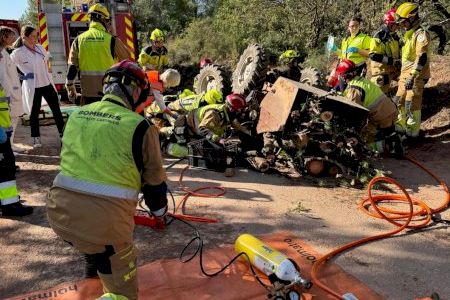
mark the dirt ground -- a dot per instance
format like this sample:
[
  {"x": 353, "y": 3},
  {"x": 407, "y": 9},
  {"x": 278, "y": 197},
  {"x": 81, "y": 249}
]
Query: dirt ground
[{"x": 411, "y": 264}]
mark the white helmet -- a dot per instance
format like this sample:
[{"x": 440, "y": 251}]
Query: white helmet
[{"x": 170, "y": 78}]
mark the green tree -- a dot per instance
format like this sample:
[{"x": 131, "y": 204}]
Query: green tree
[
  {"x": 30, "y": 14},
  {"x": 170, "y": 15}
]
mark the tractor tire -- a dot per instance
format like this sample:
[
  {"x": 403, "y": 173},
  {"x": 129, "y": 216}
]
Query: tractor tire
[
  {"x": 250, "y": 72},
  {"x": 210, "y": 77},
  {"x": 311, "y": 76}
]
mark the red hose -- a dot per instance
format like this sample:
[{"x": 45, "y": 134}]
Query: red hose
[
  {"x": 422, "y": 217},
  {"x": 196, "y": 193}
]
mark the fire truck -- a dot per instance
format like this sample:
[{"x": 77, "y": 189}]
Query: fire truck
[
  {"x": 59, "y": 25},
  {"x": 13, "y": 24}
]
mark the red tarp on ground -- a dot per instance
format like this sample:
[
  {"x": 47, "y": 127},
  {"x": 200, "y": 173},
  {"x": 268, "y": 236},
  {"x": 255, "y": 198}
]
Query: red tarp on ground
[{"x": 173, "y": 280}]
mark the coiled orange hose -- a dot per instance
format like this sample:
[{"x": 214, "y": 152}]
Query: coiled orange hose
[
  {"x": 422, "y": 217},
  {"x": 196, "y": 193}
]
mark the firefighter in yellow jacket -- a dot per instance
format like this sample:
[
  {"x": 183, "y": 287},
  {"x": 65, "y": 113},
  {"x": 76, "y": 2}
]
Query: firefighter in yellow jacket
[
  {"x": 91, "y": 54},
  {"x": 415, "y": 70},
  {"x": 382, "y": 111},
  {"x": 154, "y": 57},
  {"x": 191, "y": 102},
  {"x": 385, "y": 53},
  {"x": 110, "y": 154},
  {"x": 211, "y": 121}
]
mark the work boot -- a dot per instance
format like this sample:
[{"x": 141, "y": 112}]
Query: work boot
[
  {"x": 395, "y": 145},
  {"x": 90, "y": 269},
  {"x": 16, "y": 210}
]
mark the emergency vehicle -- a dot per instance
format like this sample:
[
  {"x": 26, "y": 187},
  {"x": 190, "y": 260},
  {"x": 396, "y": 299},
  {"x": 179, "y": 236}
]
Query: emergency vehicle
[
  {"x": 13, "y": 24},
  {"x": 59, "y": 25}
]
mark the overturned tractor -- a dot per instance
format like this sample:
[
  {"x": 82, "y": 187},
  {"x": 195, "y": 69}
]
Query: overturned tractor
[{"x": 304, "y": 129}]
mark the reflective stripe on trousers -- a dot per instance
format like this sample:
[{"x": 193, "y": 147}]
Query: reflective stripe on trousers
[
  {"x": 95, "y": 189},
  {"x": 8, "y": 192}
]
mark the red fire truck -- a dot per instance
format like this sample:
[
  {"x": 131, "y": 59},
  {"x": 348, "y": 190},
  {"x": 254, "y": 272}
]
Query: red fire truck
[
  {"x": 59, "y": 26},
  {"x": 14, "y": 24}
]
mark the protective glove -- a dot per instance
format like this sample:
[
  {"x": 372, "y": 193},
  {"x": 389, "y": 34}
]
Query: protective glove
[
  {"x": 71, "y": 90},
  {"x": 27, "y": 76},
  {"x": 352, "y": 50},
  {"x": 3, "y": 136},
  {"x": 409, "y": 83},
  {"x": 332, "y": 47}
]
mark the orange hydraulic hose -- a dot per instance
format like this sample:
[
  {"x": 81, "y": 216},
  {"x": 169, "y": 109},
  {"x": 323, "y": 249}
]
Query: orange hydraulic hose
[
  {"x": 196, "y": 193},
  {"x": 424, "y": 213}
]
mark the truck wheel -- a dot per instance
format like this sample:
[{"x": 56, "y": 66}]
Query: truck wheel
[
  {"x": 251, "y": 69},
  {"x": 311, "y": 76},
  {"x": 210, "y": 77}
]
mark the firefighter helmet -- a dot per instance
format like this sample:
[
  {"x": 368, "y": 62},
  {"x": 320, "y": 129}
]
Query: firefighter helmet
[
  {"x": 99, "y": 10},
  {"x": 235, "y": 102},
  {"x": 288, "y": 55},
  {"x": 345, "y": 68},
  {"x": 389, "y": 16},
  {"x": 170, "y": 78},
  {"x": 213, "y": 96},
  {"x": 157, "y": 35},
  {"x": 204, "y": 62},
  {"x": 405, "y": 11},
  {"x": 126, "y": 72}
]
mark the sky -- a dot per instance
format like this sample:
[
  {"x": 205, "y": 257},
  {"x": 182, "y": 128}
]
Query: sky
[{"x": 12, "y": 9}]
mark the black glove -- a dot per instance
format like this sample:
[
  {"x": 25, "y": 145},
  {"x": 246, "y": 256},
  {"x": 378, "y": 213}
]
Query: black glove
[
  {"x": 156, "y": 198},
  {"x": 397, "y": 64},
  {"x": 409, "y": 83}
]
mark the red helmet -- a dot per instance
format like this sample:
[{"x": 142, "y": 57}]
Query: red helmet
[
  {"x": 235, "y": 102},
  {"x": 126, "y": 71},
  {"x": 345, "y": 66},
  {"x": 204, "y": 62},
  {"x": 389, "y": 16}
]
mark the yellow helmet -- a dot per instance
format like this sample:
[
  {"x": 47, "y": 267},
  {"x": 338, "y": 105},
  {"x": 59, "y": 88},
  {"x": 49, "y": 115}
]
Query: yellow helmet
[
  {"x": 288, "y": 56},
  {"x": 157, "y": 35},
  {"x": 213, "y": 96},
  {"x": 406, "y": 10},
  {"x": 100, "y": 10},
  {"x": 186, "y": 93}
]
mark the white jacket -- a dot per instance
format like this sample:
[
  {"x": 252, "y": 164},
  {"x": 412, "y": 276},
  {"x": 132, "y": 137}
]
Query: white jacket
[
  {"x": 10, "y": 81},
  {"x": 27, "y": 64}
]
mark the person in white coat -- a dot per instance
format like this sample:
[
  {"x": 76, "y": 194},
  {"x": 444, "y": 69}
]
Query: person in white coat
[
  {"x": 32, "y": 60},
  {"x": 11, "y": 82}
]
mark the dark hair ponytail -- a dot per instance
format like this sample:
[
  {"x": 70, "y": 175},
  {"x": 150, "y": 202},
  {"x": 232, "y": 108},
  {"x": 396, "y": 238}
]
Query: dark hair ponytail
[{"x": 26, "y": 30}]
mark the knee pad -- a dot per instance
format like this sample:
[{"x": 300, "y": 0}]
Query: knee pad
[{"x": 101, "y": 260}]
